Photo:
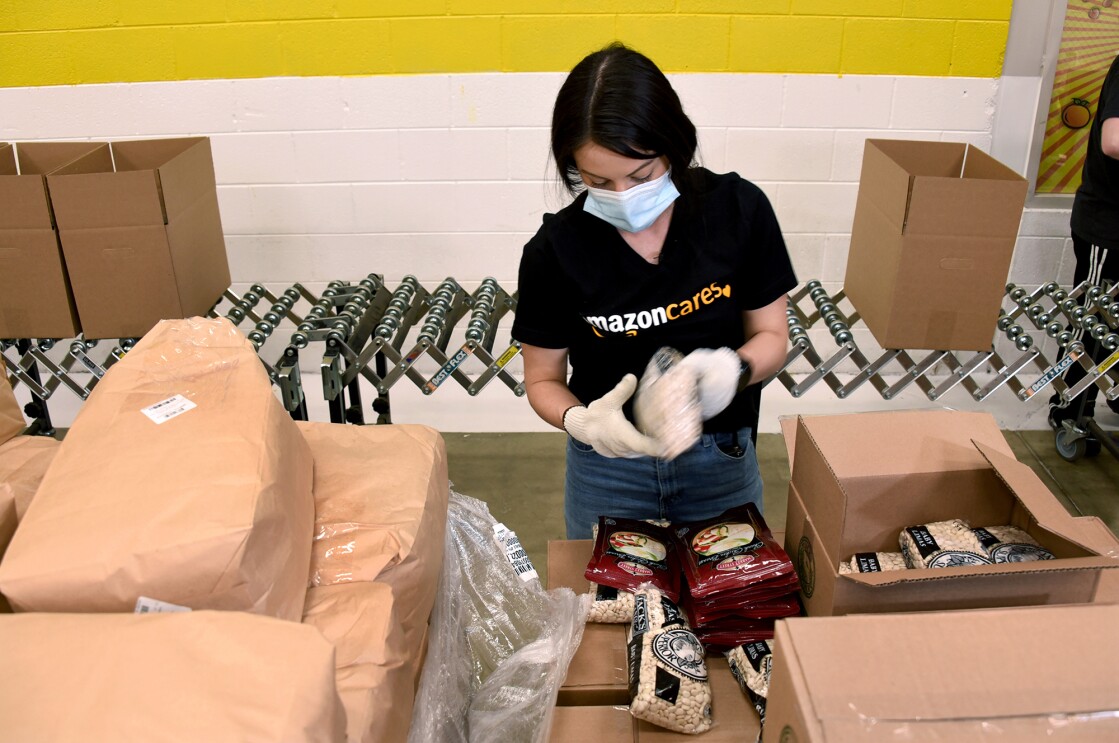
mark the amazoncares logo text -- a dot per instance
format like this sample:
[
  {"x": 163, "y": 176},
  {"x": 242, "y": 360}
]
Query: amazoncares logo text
[{"x": 632, "y": 322}]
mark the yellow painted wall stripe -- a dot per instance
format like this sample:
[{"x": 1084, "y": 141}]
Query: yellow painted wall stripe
[{"x": 96, "y": 41}]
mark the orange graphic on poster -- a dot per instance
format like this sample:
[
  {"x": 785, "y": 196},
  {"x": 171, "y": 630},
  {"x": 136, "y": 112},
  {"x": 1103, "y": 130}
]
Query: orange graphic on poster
[{"x": 1089, "y": 42}]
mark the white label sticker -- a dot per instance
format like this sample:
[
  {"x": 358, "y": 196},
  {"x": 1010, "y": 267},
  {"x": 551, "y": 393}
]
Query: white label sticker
[
  {"x": 515, "y": 553},
  {"x": 165, "y": 410},
  {"x": 145, "y": 605}
]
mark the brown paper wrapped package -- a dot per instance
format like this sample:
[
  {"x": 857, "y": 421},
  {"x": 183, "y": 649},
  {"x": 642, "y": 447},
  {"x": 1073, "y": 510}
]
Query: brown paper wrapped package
[
  {"x": 211, "y": 509},
  {"x": 219, "y": 677},
  {"x": 11, "y": 417},
  {"x": 23, "y": 464},
  {"x": 371, "y": 657},
  {"x": 381, "y": 514},
  {"x": 8, "y": 518}
]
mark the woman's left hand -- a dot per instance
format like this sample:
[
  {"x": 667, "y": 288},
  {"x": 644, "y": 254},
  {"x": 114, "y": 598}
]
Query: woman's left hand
[{"x": 717, "y": 372}]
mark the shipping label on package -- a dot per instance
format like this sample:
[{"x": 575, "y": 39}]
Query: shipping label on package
[
  {"x": 165, "y": 410},
  {"x": 146, "y": 605}
]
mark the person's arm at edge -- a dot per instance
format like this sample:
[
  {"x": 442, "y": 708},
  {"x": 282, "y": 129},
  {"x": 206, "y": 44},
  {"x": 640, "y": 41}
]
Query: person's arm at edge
[
  {"x": 767, "y": 339},
  {"x": 546, "y": 382},
  {"x": 1109, "y": 137}
]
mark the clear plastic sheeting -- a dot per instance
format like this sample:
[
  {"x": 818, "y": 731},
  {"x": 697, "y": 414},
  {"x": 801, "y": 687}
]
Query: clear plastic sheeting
[{"x": 499, "y": 646}]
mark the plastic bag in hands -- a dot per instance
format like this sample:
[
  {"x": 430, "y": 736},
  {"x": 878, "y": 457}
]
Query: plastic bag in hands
[
  {"x": 498, "y": 647},
  {"x": 667, "y": 405}
]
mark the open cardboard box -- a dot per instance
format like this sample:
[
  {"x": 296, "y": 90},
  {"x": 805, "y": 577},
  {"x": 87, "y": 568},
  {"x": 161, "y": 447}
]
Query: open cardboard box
[
  {"x": 597, "y": 683},
  {"x": 1022, "y": 674},
  {"x": 933, "y": 234},
  {"x": 142, "y": 235},
  {"x": 859, "y": 479},
  {"x": 597, "y": 674},
  {"x": 35, "y": 296}
]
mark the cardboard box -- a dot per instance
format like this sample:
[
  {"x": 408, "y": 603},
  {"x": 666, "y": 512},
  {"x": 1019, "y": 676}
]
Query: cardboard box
[
  {"x": 142, "y": 243},
  {"x": 1025, "y": 674},
  {"x": 1092, "y": 532},
  {"x": 35, "y": 296},
  {"x": 220, "y": 677},
  {"x": 580, "y": 724},
  {"x": 210, "y": 508},
  {"x": 597, "y": 673},
  {"x": 1097, "y": 536},
  {"x": 858, "y": 480},
  {"x": 934, "y": 231}
]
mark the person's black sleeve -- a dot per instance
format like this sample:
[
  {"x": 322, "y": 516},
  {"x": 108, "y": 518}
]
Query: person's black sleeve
[
  {"x": 540, "y": 302},
  {"x": 767, "y": 271}
]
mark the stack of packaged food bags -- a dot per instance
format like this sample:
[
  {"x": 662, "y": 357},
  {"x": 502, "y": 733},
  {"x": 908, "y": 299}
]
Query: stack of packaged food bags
[
  {"x": 728, "y": 574},
  {"x": 739, "y": 580}
]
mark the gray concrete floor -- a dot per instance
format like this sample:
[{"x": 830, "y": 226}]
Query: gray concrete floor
[{"x": 520, "y": 476}]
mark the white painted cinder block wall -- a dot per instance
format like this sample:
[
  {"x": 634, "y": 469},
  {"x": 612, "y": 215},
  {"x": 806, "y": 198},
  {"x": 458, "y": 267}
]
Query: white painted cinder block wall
[{"x": 448, "y": 175}]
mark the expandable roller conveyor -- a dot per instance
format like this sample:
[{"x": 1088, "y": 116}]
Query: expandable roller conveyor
[{"x": 365, "y": 330}]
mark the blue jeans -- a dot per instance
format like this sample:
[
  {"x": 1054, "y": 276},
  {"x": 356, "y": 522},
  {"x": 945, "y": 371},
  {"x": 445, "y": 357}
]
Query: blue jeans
[{"x": 702, "y": 482}]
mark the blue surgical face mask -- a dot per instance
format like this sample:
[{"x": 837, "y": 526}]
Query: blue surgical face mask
[{"x": 636, "y": 208}]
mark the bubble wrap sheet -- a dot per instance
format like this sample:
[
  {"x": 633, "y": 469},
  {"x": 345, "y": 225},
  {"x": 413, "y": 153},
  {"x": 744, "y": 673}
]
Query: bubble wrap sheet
[{"x": 498, "y": 647}]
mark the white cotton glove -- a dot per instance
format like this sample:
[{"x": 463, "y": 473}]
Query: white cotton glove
[
  {"x": 716, "y": 372},
  {"x": 603, "y": 426}
]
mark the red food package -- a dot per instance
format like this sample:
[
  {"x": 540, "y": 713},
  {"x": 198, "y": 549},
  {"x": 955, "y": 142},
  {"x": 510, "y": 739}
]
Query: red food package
[
  {"x": 730, "y": 552},
  {"x": 718, "y": 637},
  {"x": 702, "y": 616},
  {"x": 753, "y": 593},
  {"x": 629, "y": 554}
]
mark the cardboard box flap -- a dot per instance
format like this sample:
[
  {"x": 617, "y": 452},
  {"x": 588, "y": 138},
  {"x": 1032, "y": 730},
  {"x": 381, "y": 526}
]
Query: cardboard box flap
[
  {"x": 183, "y": 168},
  {"x": 942, "y": 666},
  {"x": 40, "y": 158},
  {"x": 946, "y": 206},
  {"x": 983, "y": 572},
  {"x": 884, "y": 444},
  {"x": 889, "y": 193},
  {"x": 1097, "y": 536},
  {"x": 25, "y": 203},
  {"x": 23, "y": 191},
  {"x": 978, "y": 164},
  {"x": 789, "y": 433},
  {"x": 106, "y": 200},
  {"x": 1033, "y": 495},
  {"x": 924, "y": 158}
]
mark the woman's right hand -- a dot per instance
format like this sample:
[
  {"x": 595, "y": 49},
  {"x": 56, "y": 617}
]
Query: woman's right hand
[{"x": 602, "y": 425}]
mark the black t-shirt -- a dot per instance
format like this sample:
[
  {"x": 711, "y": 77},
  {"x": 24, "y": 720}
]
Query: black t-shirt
[
  {"x": 583, "y": 288},
  {"x": 1095, "y": 211}
]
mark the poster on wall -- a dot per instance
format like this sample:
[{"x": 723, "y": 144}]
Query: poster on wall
[{"x": 1089, "y": 42}]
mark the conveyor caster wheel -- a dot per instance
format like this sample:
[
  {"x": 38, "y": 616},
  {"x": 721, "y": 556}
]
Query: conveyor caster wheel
[{"x": 1072, "y": 446}]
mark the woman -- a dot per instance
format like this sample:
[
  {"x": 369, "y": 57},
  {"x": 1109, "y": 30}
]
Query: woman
[{"x": 654, "y": 251}]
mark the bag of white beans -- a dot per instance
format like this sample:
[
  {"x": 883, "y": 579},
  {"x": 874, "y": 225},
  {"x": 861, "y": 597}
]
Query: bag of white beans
[
  {"x": 668, "y": 684},
  {"x": 610, "y": 605},
  {"x": 942, "y": 544},
  {"x": 750, "y": 664},
  {"x": 876, "y": 562},
  {"x": 1010, "y": 544}
]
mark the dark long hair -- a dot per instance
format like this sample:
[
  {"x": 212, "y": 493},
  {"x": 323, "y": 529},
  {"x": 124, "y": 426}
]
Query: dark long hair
[{"x": 618, "y": 99}]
